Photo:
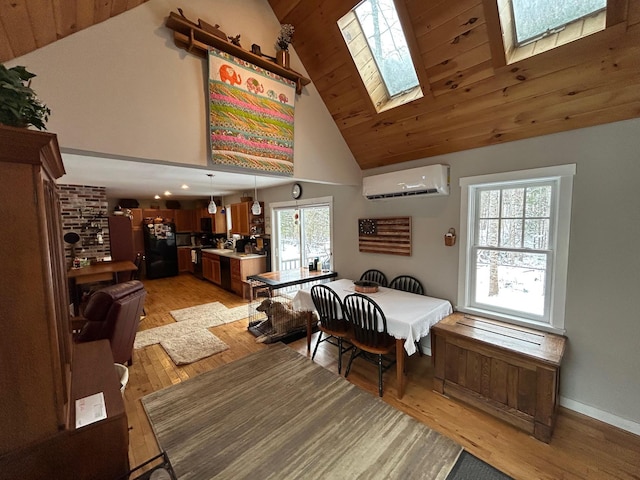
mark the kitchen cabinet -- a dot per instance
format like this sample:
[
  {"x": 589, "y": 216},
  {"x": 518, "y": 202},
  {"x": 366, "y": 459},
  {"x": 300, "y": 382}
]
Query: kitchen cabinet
[
  {"x": 121, "y": 238},
  {"x": 241, "y": 268},
  {"x": 184, "y": 260},
  {"x": 185, "y": 221},
  {"x": 218, "y": 220},
  {"x": 211, "y": 267},
  {"x": 244, "y": 222},
  {"x": 166, "y": 213},
  {"x": 39, "y": 362},
  {"x": 136, "y": 230}
]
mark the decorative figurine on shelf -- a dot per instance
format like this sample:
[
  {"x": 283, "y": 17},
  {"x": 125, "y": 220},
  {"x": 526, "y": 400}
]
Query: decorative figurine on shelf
[
  {"x": 235, "y": 40},
  {"x": 282, "y": 43}
]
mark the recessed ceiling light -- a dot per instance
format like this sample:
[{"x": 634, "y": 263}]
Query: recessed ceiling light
[
  {"x": 167, "y": 193},
  {"x": 157, "y": 197},
  {"x": 185, "y": 186}
]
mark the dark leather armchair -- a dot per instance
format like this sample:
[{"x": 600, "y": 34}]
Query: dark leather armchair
[{"x": 113, "y": 313}]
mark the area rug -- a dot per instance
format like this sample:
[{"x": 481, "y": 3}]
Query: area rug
[
  {"x": 469, "y": 467},
  {"x": 199, "y": 344},
  {"x": 277, "y": 415},
  {"x": 188, "y": 340}
]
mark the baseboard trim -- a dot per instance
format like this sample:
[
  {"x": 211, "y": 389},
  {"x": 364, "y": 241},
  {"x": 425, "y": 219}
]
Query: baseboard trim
[{"x": 601, "y": 415}]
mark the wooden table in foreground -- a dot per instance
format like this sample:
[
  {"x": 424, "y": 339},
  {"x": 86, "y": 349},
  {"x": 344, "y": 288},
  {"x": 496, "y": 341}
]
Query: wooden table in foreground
[{"x": 508, "y": 371}]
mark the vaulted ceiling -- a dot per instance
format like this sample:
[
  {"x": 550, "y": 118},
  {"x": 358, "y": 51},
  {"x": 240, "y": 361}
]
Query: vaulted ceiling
[
  {"x": 26, "y": 25},
  {"x": 471, "y": 98}
]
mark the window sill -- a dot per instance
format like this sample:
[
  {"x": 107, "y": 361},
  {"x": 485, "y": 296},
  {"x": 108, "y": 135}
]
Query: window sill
[
  {"x": 413, "y": 94},
  {"x": 522, "y": 322}
]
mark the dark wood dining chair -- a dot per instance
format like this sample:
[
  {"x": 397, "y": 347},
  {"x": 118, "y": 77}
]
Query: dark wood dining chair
[
  {"x": 331, "y": 321},
  {"x": 410, "y": 284},
  {"x": 369, "y": 334},
  {"x": 407, "y": 283},
  {"x": 375, "y": 276}
]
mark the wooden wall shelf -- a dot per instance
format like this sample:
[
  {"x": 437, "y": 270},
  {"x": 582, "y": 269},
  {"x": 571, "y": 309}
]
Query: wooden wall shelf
[{"x": 193, "y": 39}]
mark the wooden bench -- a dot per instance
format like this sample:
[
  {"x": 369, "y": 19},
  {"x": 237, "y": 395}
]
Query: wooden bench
[{"x": 508, "y": 371}]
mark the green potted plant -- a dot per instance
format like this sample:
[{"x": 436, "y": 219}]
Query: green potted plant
[{"x": 19, "y": 105}]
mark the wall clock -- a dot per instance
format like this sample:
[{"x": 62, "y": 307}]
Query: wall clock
[
  {"x": 296, "y": 191},
  {"x": 367, "y": 226}
]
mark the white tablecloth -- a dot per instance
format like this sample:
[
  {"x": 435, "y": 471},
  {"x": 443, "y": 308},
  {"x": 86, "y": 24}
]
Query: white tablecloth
[{"x": 409, "y": 316}]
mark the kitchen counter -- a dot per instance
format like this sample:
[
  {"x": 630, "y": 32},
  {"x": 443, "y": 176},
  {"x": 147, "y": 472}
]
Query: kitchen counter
[{"x": 232, "y": 253}]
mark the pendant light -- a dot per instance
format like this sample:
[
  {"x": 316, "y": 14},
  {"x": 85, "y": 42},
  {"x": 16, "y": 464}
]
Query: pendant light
[
  {"x": 211, "y": 208},
  {"x": 255, "y": 208}
]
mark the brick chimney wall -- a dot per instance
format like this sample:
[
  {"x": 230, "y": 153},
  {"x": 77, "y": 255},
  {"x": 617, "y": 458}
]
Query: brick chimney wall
[{"x": 85, "y": 211}]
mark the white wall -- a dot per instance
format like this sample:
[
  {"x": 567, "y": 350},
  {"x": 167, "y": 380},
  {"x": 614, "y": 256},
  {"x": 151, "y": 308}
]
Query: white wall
[
  {"x": 122, "y": 88},
  {"x": 601, "y": 364}
]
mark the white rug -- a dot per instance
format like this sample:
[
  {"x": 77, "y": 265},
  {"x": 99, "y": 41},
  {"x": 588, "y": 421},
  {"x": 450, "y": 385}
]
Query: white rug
[
  {"x": 188, "y": 340},
  {"x": 190, "y": 348}
]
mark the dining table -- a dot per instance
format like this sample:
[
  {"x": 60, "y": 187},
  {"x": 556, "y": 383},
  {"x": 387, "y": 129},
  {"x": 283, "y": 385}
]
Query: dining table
[
  {"x": 98, "y": 272},
  {"x": 409, "y": 316}
]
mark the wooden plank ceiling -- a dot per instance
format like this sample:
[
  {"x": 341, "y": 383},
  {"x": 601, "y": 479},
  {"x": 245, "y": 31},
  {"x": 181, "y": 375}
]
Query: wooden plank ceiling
[
  {"x": 468, "y": 101},
  {"x": 26, "y": 25}
]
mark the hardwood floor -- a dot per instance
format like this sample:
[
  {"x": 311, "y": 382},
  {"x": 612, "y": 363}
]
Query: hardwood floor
[{"x": 581, "y": 448}]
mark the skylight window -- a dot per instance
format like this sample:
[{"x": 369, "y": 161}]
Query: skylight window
[
  {"x": 535, "y": 19},
  {"x": 377, "y": 43},
  {"x": 380, "y": 23},
  {"x": 533, "y": 27}
]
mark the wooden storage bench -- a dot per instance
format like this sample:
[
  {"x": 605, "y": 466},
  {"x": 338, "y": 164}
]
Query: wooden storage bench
[{"x": 508, "y": 371}]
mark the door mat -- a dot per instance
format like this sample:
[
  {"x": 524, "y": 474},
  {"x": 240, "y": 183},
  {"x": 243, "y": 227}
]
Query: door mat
[{"x": 468, "y": 467}]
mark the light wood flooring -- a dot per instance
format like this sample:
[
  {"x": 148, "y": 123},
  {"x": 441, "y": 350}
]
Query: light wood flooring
[{"x": 581, "y": 448}]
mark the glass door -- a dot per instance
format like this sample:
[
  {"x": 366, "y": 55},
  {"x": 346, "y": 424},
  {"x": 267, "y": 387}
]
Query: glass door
[{"x": 303, "y": 233}]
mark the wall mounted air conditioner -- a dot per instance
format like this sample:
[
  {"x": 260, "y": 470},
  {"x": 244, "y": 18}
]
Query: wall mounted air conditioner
[{"x": 429, "y": 180}]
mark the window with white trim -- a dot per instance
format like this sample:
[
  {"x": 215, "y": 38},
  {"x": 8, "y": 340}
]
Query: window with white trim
[{"x": 514, "y": 245}]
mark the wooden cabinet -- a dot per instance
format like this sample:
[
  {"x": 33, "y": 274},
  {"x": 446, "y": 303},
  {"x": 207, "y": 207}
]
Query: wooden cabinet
[
  {"x": 216, "y": 274},
  {"x": 236, "y": 276},
  {"x": 136, "y": 230},
  {"x": 166, "y": 213},
  {"x": 240, "y": 269},
  {"x": 121, "y": 238},
  {"x": 218, "y": 220},
  {"x": 244, "y": 222},
  {"x": 186, "y": 221},
  {"x": 509, "y": 371},
  {"x": 38, "y": 384},
  {"x": 211, "y": 267},
  {"x": 184, "y": 260}
]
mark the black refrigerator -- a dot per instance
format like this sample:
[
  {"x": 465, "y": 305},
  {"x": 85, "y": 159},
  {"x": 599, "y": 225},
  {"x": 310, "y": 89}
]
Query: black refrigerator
[{"x": 161, "y": 251}]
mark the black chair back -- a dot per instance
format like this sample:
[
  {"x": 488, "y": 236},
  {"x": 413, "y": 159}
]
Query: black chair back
[
  {"x": 407, "y": 283},
  {"x": 329, "y": 308},
  {"x": 367, "y": 320},
  {"x": 375, "y": 276}
]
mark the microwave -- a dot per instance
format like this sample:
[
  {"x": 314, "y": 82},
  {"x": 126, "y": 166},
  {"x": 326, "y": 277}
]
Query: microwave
[{"x": 183, "y": 239}]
